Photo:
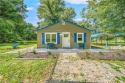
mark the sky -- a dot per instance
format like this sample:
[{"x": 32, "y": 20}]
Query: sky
[{"x": 32, "y": 6}]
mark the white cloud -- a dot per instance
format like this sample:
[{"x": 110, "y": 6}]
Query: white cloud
[
  {"x": 29, "y": 8},
  {"x": 76, "y": 1},
  {"x": 78, "y": 19}
]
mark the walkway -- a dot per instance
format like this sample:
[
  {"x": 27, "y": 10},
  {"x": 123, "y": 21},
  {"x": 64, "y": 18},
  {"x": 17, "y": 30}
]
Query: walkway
[
  {"x": 71, "y": 50},
  {"x": 71, "y": 68},
  {"x": 20, "y": 50}
]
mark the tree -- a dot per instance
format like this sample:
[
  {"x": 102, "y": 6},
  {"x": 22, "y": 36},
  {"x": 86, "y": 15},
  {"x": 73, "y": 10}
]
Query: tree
[
  {"x": 12, "y": 14},
  {"x": 68, "y": 14},
  {"x": 107, "y": 16},
  {"x": 52, "y": 11}
]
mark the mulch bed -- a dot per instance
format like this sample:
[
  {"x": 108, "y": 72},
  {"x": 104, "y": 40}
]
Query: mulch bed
[
  {"x": 115, "y": 55},
  {"x": 38, "y": 55}
]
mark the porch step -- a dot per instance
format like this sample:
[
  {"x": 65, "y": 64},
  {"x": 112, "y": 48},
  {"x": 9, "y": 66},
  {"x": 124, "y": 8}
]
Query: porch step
[{"x": 66, "y": 48}]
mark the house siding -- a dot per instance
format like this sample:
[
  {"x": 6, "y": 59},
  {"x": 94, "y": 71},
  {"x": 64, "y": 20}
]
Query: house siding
[{"x": 64, "y": 28}]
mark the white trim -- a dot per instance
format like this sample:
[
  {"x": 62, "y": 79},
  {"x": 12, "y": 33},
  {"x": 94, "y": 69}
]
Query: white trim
[
  {"x": 51, "y": 37},
  {"x": 64, "y": 37},
  {"x": 82, "y": 38}
]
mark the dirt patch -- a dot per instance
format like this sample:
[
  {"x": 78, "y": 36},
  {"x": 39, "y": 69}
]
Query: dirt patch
[
  {"x": 115, "y": 55},
  {"x": 38, "y": 55}
]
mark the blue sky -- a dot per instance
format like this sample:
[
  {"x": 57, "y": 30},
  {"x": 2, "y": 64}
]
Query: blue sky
[{"x": 32, "y": 6}]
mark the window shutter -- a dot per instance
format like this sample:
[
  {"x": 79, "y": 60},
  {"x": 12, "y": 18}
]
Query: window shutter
[
  {"x": 43, "y": 38},
  {"x": 58, "y": 38},
  {"x": 85, "y": 37},
  {"x": 75, "y": 37}
]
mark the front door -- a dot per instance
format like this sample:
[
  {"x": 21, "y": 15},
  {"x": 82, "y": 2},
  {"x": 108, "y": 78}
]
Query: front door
[{"x": 66, "y": 39}]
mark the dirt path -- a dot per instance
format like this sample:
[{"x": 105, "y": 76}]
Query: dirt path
[{"x": 71, "y": 68}]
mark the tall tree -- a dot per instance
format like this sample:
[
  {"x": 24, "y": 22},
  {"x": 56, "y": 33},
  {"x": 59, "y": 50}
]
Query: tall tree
[
  {"x": 51, "y": 11},
  {"x": 12, "y": 14},
  {"x": 107, "y": 15}
]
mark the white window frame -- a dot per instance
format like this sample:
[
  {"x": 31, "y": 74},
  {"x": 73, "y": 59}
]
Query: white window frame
[
  {"x": 51, "y": 38},
  {"x": 82, "y": 38}
]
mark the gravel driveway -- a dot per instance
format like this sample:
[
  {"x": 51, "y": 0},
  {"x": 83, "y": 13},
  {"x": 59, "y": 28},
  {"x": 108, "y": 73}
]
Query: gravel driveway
[{"x": 71, "y": 68}]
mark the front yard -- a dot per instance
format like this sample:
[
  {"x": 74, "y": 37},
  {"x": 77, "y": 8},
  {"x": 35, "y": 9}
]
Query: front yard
[
  {"x": 70, "y": 67},
  {"x": 23, "y": 71}
]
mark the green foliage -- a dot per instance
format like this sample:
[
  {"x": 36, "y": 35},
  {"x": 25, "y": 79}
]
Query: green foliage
[
  {"x": 75, "y": 75},
  {"x": 49, "y": 52},
  {"x": 16, "y": 71},
  {"x": 101, "y": 53},
  {"x": 107, "y": 16},
  {"x": 34, "y": 51},
  {"x": 51, "y": 11},
  {"x": 86, "y": 52},
  {"x": 83, "y": 80},
  {"x": 118, "y": 53},
  {"x": 12, "y": 24},
  {"x": 81, "y": 74}
]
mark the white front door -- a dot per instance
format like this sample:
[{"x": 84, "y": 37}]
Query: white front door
[{"x": 66, "y": 39}]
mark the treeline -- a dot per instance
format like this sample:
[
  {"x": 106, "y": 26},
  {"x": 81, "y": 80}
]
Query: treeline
[
  {"x": 104, "y": 16},
  {"x": 51, "y": 11},
  {"x": 13, "y": 27}
]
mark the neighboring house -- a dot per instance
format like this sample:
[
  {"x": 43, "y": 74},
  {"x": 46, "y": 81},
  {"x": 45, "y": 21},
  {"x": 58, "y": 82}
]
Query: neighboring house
[{"x": 64, "y": 34}]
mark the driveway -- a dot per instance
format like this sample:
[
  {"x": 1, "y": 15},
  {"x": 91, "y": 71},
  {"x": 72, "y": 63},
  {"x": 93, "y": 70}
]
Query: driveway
[{"x": 71, "y": 68}]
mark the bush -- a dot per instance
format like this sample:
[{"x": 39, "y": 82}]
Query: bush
[
  {"x": 34, "y": 51},
  {"x": 49, "y": 52},
  {"x": 101, "y": 53},
  {"x": 118, "y": 53},
  {"x": 86, "y": 52}
]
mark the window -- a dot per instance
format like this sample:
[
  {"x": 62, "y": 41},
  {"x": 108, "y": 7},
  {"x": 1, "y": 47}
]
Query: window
[
  {"x": 53, "y": 37},
  {"x": 79, "y": 37},
  {"x": 65, "y": 35},
  {"x": 47, "y": 37},
  {"x": 50, "y": 37}
]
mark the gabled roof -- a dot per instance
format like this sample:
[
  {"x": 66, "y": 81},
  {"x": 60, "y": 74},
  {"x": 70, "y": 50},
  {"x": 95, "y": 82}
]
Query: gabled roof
[{"x": 60, "y": 22}]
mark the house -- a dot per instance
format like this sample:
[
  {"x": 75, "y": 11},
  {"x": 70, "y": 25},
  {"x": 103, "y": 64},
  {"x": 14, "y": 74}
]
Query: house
[{"x": 64, "y": 34}]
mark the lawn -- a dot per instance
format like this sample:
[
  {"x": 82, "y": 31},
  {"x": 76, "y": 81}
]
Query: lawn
[
  {"x": 23, "y": 71},
  {"x": 5, "y": 47},
  {"x": 118, "y": 66}
]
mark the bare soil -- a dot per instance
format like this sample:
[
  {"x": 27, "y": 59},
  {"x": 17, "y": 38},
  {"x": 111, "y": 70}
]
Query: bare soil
[
  {"x": 38, "y": 55},
  {"x": 115, "y": 55}
]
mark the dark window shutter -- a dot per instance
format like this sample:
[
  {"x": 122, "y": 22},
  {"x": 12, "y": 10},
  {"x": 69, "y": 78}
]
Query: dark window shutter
[
  {"x": 58, "y": 38},
  {"x": 75, "y": 37},
  {"x": 85, "y": 37},
  {"x": 43, "y": 38}
]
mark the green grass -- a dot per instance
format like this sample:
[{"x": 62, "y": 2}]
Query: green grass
[
  {"x": 119, "y": 79},
  {"x": 119, "y": 64},
  {"x": 5, "y": 47},
  {"x": 18, "y": 71}
]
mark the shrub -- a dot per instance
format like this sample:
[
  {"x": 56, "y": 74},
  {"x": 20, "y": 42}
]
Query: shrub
[
  {"x": 86, "y": 52},
  {"x": 101, "y": 53},
  {"x": 49, "y": 52},
  {"x": 19, "y": 53},
  {"x": 123, "y": 50},
  {"x": 34, "y": 51},
  {"x": 118, "y": 53},
  {"x": 81, "y": 74},
  {"x": 75, "y": 75}
]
